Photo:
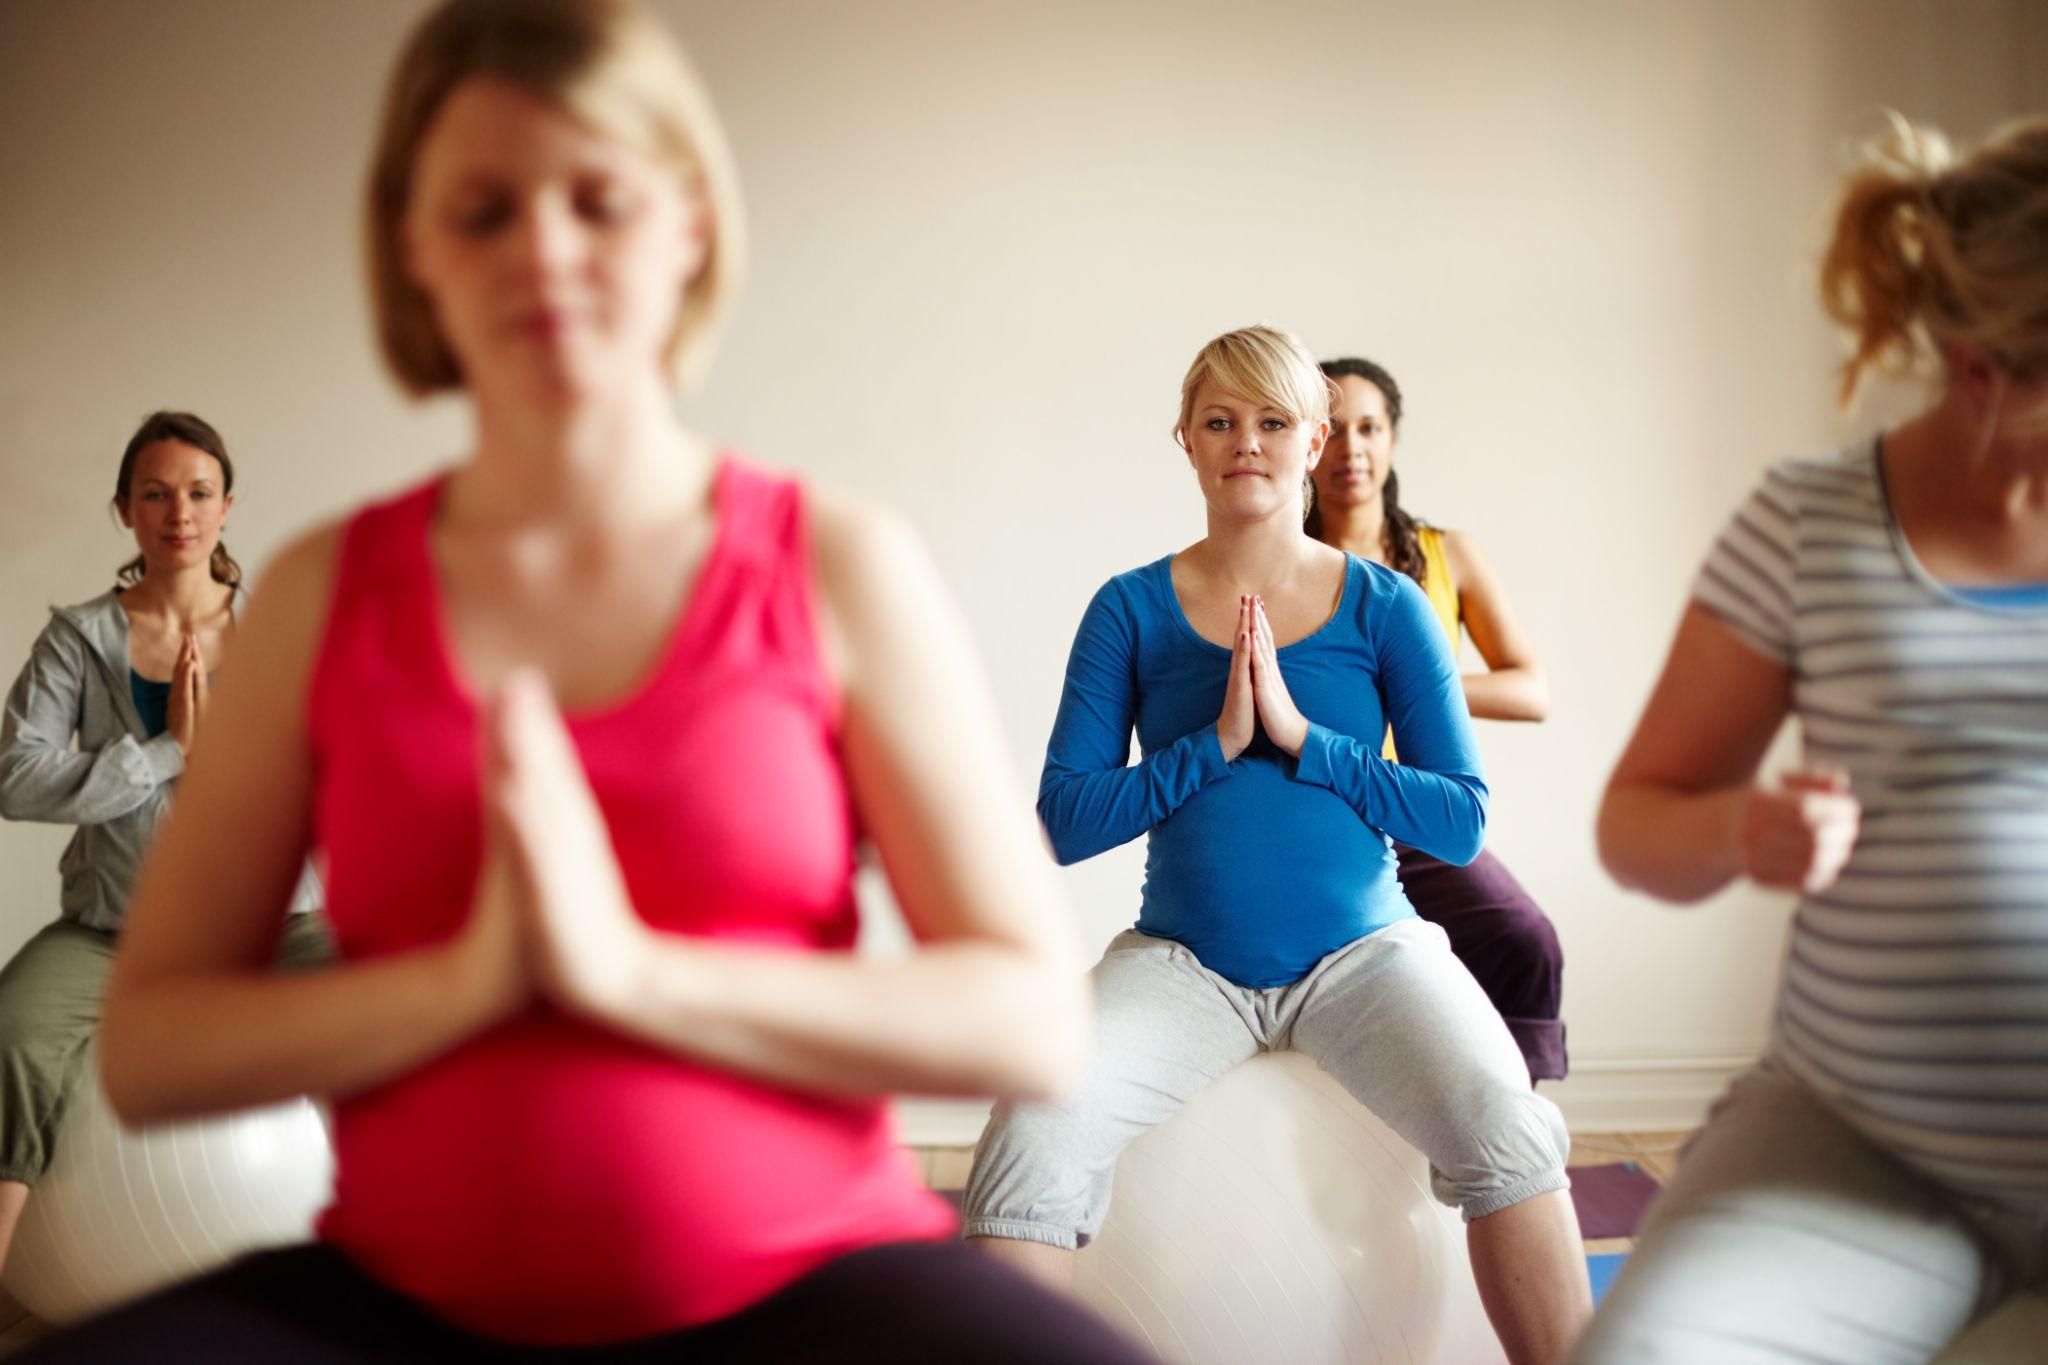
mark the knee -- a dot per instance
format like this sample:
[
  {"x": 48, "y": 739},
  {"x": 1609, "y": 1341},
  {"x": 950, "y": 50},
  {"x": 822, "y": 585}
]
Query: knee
[
  {"x": 25, "y": 1030},
  {"x": 1523, "y": 972},
  {"x": 1506, "y": 1146},
  {"x": 1032, "y": 1180},
  {"x": 1512, "y": 1122},
  {"x": 1532, "y": 937}
]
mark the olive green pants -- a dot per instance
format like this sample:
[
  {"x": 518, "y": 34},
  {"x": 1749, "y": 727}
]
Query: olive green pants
[{"x": 50, "y": 998}]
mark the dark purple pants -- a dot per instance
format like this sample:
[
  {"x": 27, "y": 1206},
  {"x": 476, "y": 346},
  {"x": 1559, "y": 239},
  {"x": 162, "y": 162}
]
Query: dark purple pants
[
  {"x": 1506, "y": 942},
  {"x": 908, "y": 1304}
]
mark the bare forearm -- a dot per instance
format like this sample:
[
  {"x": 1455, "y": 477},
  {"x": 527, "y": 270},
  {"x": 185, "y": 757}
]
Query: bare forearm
[
  {"x": 1675, "y": 845},
  {"x": 185, "y": 1045},
  {"x": 951, "y": 1019},
  {"x": 1507, "y": 694}
]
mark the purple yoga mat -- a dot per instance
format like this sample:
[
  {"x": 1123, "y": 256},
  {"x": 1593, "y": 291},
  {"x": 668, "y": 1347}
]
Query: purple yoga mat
[{"x": 1611, "y": 1199}]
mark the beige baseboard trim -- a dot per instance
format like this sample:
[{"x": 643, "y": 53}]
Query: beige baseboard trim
[
  {"x": 940, "y": 1123},
  {"x": 1602, "y": 1095},
  {"x": 1642, "y": 1094}
]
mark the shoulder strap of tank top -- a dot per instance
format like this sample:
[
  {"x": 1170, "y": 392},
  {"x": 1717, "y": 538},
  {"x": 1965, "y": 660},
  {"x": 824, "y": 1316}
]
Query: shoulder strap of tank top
[
  {"x": 382, "y": 548},
  {"x": 767, "y": 529},
  {"x": 386, "y": 538},
  {"x": 760, "y": 512},
  {"x": 1436, "y": 580}
]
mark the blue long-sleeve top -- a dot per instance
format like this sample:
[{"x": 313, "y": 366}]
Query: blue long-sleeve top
[{"x": 1265, "y": 864}]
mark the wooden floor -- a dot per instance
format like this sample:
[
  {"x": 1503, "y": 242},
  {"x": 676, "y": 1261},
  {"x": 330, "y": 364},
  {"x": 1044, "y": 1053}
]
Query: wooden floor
[
  {"x": 1656, "y": 1153},
  {"x": 945, "y": 1168}
]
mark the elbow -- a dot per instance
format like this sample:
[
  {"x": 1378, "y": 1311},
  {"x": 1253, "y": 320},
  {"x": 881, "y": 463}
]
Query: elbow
[
  {"x": 1044, "y": 1075},
  {"x": 123, "y": 1076},
  {"x": 1631, "y": 859},
  {"x": 1521, "y": 696},
  {"x": 130, "y": 1105},
  {"x": 1065, "y": 852},
  {"x": 1049, "y": 1045},
  {"x": 1612, "y": 841},
  {"x": 1614, "y": 854},
  {"x": 1060, "y": 834},
  {"x": 1515, "y": 692},
  {"x": 16, "y": 800},
  {"x": 1041, "y": 1040},
  {"x": 132, "y": 1056},
  {"x": 1472, "y": 833}
]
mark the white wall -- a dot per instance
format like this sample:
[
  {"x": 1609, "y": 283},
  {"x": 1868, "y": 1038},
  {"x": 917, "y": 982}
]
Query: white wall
[{"x": 987, "y": 239}]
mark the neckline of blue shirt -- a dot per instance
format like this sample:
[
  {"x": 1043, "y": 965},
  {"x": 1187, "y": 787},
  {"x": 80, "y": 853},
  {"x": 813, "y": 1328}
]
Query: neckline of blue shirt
[
  {"x": 2002, "y": 594},
  {"x": 1996, "y": 597},
  {"x": 1163, "y": 569}
]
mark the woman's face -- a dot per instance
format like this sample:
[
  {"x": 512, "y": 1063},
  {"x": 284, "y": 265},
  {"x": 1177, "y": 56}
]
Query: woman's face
[
  {"x": 176, "y": 505},
  {"x": 1360, "y": 452},
  {"x": 554, "y": 256},
  {"x": 1249, "y": 458}
]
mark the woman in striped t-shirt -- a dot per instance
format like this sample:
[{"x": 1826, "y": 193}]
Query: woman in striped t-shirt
[{"x": 1881, "y": 1177}]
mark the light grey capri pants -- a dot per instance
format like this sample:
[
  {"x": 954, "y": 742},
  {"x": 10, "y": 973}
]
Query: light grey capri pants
[
  {"x": 1787, "y": 1236},
  {"x": 1393, "y": 1016}
]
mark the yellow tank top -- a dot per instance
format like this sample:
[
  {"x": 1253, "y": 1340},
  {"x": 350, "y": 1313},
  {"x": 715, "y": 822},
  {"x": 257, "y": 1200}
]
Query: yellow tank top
[
  {"x": 1436, "y": 582},
  {"x": 1442, "y": 594}
]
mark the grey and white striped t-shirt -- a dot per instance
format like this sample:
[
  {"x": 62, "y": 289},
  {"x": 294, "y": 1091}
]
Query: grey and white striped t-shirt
[{"x": 1915, "y": 989}]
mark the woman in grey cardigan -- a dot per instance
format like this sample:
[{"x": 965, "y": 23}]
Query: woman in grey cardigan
[{"x": 127, "y": 675}]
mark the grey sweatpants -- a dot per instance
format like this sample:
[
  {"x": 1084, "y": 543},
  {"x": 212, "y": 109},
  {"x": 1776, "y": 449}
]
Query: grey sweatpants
[
  {"x": 1394, "y": 1017},
  {"x": 1787, "y": 1236}
]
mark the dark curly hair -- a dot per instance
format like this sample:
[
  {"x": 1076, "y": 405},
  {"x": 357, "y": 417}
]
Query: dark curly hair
[{"x": 1399, "y": 538}]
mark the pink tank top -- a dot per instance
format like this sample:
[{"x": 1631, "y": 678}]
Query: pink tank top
[{"x": 550, "y": 1181}]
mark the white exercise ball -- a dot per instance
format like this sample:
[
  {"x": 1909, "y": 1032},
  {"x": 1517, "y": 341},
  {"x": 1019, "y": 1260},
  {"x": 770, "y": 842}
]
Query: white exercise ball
[
  {"x": 1274, "y": 1219},
  {"x": 121, "y": 1213}
]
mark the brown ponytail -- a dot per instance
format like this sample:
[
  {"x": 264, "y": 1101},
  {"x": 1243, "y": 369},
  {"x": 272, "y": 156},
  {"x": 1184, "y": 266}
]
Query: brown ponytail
[{"x": 1930, "y": 252}]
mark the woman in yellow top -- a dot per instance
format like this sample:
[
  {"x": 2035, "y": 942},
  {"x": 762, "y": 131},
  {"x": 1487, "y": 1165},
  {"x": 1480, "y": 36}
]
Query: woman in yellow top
[{"x": 1495, "y": 926}]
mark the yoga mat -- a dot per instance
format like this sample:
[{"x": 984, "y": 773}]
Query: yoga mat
[
  {"x": 1601, "y": 1270},
  {"x": 1611, "y": 1199}
]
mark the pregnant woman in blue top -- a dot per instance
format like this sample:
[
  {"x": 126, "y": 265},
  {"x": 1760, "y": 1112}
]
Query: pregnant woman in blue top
[{"x": 1260, "y": 670}]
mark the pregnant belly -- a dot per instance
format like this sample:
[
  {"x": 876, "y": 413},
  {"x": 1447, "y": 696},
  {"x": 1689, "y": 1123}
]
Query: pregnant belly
[{"x": 554, "y": 1184}]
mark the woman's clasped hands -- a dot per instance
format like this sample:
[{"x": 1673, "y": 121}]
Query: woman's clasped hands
[
  {"x": 551, "y": 918},
  {"x": 1257, "y": 695}
]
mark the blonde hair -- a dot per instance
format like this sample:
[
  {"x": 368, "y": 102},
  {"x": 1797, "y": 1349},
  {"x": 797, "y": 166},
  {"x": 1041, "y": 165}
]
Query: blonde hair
[
  {"x": 606, "y": 62},
  {"x": 1265, "y": 365},
  {"x": 1931, "y": 251}
]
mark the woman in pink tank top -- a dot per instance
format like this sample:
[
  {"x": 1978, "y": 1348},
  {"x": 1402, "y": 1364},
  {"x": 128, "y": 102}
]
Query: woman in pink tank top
[{"x": 587, "y": 731}]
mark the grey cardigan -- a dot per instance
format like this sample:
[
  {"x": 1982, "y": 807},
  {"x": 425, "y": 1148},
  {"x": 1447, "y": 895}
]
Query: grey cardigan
[{"x": 116, "y": 784}]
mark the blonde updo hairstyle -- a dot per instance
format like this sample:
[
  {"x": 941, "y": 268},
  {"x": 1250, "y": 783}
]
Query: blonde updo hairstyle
[
  {"x": 1264, "y": 365},
  {"x": 1932, "y": 251},
  {"x": 608, "y": 63},
  {"x": 1267, "y": 366}
]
